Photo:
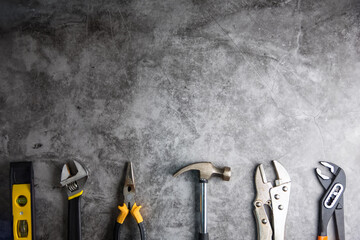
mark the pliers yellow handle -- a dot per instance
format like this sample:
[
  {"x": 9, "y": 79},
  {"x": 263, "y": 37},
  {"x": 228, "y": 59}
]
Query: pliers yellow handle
[
  {"x": 124, "y": 211},
  {"x": 135, "y": 212}
]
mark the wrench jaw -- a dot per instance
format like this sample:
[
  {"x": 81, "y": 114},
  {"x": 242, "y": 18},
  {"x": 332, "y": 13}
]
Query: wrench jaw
[
  {"x": 324, "y": 179},
  {"x": 73, "y": 177},
  {"x": 333, "y": 167}
]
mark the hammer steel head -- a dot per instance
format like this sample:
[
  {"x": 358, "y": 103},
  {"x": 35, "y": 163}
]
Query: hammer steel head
[{"x": 206, "y": 169}]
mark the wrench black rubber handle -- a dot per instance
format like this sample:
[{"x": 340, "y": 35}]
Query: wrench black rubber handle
[
  {"x": 74, "y": 219},
  {"x": 203, "y": 236}
]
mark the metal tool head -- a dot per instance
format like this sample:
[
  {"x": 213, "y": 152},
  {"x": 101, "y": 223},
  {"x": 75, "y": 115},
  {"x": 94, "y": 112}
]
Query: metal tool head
[
  {"x": 129, "y": 186},
  {"x": 332, "y": 166},
  {"x": 73, "y": 176},
  {"x": 332, "y": 201},
  {"x": 262, "y": 185},
  {"x": 281, "y": 174},
  {"x": 207, "y": 170},
  {"x": 337, "y": 182},
  {"x": 324, "y": 179}
]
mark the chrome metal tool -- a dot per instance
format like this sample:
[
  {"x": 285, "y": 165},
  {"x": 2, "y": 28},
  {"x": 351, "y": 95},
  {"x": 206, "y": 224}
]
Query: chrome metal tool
[{"x": 276, "y": 198}]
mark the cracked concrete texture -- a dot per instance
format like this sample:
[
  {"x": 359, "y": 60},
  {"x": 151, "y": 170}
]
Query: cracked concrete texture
[{"x": 167, "y": 83}]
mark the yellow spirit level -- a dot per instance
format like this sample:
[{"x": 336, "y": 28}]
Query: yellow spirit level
[{"x": 23, "y": 205}]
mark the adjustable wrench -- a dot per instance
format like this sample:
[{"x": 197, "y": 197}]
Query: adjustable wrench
[{"x": 73, "y": 177}]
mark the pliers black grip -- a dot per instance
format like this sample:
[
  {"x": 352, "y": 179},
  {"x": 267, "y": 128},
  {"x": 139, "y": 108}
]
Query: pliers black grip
[{"x": 121, "y": 218}]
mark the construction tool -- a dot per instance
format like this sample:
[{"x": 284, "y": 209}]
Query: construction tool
[
  {"x": 129, "y": 206},
  {"x": 276, "y": 199},
  {"x": 332, "y": 202},
  {"x": 73, "y": 177},
  {"x": 23, "y": 204},
  {"x": 207, "y": 170}
]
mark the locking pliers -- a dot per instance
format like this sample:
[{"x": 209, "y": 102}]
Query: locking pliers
[{"x": 276, "y": 198}]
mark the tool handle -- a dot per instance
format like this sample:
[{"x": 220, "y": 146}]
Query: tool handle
[
  {"x": 322, "y": 238},
  {"x": 264, "y": 230},
  {"x": 118, "y": 227},
  {"x": 203, "y": 236},
  {"x": 74, "y": 219},
  {"x": 142, "y": 231},
  {"x": 117, "y": 230}
]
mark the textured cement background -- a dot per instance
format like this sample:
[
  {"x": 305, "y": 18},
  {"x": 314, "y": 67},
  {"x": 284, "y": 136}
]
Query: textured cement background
[{"x": 165, "y": 83}]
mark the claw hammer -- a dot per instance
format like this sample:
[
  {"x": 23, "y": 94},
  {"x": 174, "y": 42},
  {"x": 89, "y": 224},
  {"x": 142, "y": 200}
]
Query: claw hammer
[{"x": 207, "y": 170}]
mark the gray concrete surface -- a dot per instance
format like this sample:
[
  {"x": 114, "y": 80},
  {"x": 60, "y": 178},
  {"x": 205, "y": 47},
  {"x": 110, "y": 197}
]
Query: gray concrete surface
[{"x": 167, "y": 83}]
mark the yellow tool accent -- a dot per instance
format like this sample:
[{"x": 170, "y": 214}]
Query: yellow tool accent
[
  {"x": 124, "y": 211},
  {"x": 21, "y": 211},
  {"x": 322, "y": 238},
  {"x": 76, "y": 195},
  {"x": 135, "y": 212}
]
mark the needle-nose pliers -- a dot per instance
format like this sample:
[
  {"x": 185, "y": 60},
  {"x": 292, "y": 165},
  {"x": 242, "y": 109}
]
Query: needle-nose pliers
[
  {"x": 332, "y": 202},
  {"x": 129, "y": 206}
]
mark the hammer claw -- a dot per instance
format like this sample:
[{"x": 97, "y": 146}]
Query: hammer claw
[{"x": 206, "y": 169}]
